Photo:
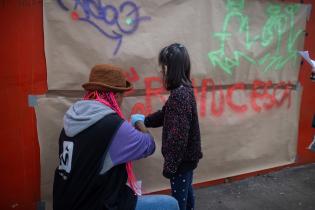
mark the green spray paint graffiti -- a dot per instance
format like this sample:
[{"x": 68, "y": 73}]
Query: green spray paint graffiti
[{"x": 277, "y": 25}]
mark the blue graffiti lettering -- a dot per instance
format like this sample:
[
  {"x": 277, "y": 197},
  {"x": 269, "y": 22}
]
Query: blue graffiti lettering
[{"x": 102, "y": 16}]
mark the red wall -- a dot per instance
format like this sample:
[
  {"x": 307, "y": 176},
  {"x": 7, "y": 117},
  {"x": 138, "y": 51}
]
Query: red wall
[
  {"x": 306, "y": 132},
  {"x": 23, "y": 72}
]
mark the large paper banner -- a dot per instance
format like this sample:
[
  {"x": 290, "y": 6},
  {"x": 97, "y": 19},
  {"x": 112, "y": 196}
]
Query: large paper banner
[
  {"x": 244, "y": 68},
  {"x": 234, "y": 143},
  {"x": 229, "y": 40}
]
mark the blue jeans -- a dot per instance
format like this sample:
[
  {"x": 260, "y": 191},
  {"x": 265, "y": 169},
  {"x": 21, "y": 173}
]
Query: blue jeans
[
  {"x": 156, "y": 202},
  {"x": 183, "y": 191}
]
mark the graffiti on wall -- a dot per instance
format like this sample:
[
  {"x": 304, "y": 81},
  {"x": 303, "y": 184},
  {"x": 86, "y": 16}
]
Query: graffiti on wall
[
  {"x": 260, "y": 95},
  {"x": 278, "y": 30},
  {"x": 112, "y": 22}
]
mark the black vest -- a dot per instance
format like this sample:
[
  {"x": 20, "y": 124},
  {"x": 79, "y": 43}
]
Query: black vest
[{"x": 78, "y": 184}]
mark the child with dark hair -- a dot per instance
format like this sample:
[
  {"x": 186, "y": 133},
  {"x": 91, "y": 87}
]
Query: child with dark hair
[{"x": 181, "y": 147}]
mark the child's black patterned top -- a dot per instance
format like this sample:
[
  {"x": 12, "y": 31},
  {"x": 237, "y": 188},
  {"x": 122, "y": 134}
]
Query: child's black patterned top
[{"x": 181, "y": 147}]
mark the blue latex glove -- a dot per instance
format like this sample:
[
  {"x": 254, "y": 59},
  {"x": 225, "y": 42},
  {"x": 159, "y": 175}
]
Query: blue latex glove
[{"x": 137, "y": 117}]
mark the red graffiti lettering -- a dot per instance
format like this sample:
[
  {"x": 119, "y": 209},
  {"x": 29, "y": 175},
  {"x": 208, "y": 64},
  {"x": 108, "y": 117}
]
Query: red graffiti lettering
[
  {"x": 286, "y": 93},
  {"x": 214, "y": 110},
  {"x": 150, "y": 91},
  {"x": 217, "y": 112},
  {"x": 132, "y": 77},
  {"x": 262, "y": 96},
  {"x": 255, "y": 95},
  {"x": 138, "y": 108},
  {"x": 229, "y": 98},
  {"x": 203, "y": 98}
]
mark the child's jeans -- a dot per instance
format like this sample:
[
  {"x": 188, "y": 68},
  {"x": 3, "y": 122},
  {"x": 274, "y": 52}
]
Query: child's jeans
[
  {"x": 182, "y": 190},
  {"x": 156, "y": 202}
]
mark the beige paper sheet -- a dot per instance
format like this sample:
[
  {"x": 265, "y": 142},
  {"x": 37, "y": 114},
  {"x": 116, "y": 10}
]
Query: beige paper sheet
[
  {"x": 245, "y": 39},
  {"x": 232, "y": 144}
]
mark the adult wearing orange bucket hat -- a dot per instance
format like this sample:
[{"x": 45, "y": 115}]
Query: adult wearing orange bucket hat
[{"x": 96, "y": 147}]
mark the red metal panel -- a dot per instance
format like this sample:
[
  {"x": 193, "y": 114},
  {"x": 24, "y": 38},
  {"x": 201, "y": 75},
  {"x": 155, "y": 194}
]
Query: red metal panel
[
  {"x": 306, "y": 132},
  {"x": 22, "y": 72}
]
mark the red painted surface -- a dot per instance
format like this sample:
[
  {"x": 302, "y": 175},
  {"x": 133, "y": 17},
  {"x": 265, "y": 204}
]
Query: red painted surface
[
  {"x": 306, "y": 132},
  {"x": 23, "y": 72},
  {"x": 260, "y": 91}
]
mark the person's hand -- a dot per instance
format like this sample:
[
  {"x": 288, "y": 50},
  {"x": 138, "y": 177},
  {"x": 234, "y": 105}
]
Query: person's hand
[{"x": 137, "y": 117}]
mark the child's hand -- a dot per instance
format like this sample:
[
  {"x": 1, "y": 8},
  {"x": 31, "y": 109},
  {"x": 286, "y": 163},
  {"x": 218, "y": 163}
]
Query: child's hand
[{"x": 137, "y": 117}]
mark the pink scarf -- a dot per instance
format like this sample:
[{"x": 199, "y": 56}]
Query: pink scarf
[{"x": 108, "y": 99}]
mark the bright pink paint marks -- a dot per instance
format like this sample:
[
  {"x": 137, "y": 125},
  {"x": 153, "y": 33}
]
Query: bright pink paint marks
[{"x": 74, "y": 15}]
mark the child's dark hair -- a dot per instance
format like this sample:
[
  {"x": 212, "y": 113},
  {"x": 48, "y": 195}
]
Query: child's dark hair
[{"x": 175, "y": 62}]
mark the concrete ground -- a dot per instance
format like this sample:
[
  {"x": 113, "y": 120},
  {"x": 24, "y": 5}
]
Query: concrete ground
[{"x": 289, "y": 189}]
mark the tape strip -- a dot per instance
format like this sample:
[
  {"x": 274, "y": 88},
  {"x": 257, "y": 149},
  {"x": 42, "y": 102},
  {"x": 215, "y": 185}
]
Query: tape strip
[
  {"x": 32, "y": 100},
  {"x": 298, "y": 86}
]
